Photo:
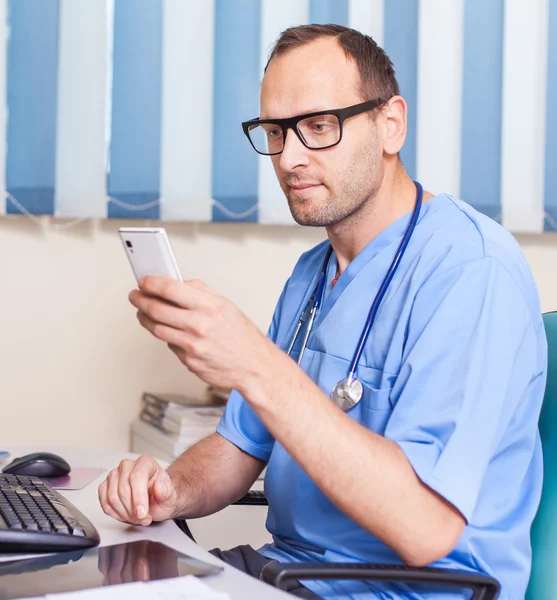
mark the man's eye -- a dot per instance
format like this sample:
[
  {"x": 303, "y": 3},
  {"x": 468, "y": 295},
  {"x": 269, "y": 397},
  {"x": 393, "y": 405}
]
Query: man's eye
[
  {"x": 320, "y": 127},
  {"x": 274, "y": 133}
]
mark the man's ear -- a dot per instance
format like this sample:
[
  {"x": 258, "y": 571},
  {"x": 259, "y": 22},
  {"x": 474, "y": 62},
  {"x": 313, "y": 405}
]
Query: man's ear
[{"x": 394, "y": 116}]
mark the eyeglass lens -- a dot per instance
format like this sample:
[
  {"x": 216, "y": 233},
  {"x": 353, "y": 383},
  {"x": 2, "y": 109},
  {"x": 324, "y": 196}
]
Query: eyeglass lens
[{"x": 317, "y": 132}]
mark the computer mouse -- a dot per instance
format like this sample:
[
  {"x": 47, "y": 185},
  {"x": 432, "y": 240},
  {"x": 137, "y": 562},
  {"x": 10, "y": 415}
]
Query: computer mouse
[{"x": 38, "y": 464}]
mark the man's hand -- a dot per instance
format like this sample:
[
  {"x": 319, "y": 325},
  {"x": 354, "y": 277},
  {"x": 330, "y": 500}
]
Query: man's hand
[
  {"x": 207, "y": 332},
  {"x": 139, "y": 492}
]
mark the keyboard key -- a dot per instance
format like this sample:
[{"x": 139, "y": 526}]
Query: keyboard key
[
  {"x": 62, "y": 529},
  {"x": 64, "y": 512},
  {"x": 11, "y": 517}
]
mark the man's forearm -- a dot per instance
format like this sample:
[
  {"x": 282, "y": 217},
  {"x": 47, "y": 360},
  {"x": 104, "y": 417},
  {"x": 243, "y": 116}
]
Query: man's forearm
[
  {"x": 211, "y": 475},
  {"x": 365, "y": 475}
]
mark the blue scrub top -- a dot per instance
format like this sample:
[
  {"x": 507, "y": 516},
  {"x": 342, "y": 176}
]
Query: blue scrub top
[{"x": 453, "y": 371}]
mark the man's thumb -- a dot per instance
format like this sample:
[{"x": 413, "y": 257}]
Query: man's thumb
[{"x": 161, "y": 490}]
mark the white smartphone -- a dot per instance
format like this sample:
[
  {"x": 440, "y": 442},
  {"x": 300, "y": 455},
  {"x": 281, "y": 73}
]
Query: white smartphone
[{"x": 149, "y": 252}]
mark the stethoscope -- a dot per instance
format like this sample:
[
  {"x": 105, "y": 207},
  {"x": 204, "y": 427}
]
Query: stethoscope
[{"x": 349, "y": 391}]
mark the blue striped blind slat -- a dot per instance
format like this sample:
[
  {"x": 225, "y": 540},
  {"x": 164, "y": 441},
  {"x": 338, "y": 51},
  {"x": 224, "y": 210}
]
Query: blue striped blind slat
[
  {"x": 481, "y": 105},
  {"x": 237, "y": 76},
  {"x": 32, "y": 67},
  {"x": 328, "y": 11},
  {"x": 401, "y": 44},
  {"x": 135, "y": 141}
]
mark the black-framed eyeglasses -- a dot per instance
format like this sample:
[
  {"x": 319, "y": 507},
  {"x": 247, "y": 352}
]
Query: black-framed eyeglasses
[{"x": 316, "y": 131}]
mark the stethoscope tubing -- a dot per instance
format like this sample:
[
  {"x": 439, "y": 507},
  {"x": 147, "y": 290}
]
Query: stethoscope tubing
[
  {"x": 386, "y": 281},
  {"x": 316, "y": 299}
]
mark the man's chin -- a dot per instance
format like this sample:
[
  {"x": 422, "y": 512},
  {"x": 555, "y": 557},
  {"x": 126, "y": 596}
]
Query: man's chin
[
  {"x": 306, "y": 220},
  {"x": 301, "y": 210},
  {"x": 309, "y": 216},
  {"x": 306, "y": 210}
]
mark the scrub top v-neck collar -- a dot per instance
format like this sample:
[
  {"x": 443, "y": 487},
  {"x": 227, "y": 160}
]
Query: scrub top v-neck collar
[{"x": 391, "y": 234}]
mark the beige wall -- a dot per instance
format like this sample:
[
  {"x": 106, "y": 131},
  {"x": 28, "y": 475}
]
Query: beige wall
[{"x": 73, "y": 359}]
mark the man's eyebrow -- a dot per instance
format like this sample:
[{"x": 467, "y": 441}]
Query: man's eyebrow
[{"x": 305, "y": 112}]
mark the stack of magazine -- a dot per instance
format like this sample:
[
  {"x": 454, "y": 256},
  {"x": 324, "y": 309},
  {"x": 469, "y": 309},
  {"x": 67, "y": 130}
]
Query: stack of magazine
[{"x": 168, "y": 424}]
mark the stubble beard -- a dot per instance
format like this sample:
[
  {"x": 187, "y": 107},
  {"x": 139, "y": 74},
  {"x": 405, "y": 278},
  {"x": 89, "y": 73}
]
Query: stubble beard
[{"x": 346, "y": 200}]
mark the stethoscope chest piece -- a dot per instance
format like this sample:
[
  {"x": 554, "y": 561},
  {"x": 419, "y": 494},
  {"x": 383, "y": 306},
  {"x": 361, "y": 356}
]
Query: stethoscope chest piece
[{"x": 347, "y": 393}]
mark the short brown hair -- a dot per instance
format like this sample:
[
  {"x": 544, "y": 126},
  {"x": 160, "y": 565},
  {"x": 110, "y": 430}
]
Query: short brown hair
[{"x": 377, "y": 75}]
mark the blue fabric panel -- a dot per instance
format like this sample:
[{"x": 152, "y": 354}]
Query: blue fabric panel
[
  {"x": 481, "y": 110},
  {"x": 32, "y": 67},
  {"x": 134, "y": 176},
  {"x": 401, "y": 44},
  {"x": 236, "y": 99},
  {"x": 328, "y": 11}
]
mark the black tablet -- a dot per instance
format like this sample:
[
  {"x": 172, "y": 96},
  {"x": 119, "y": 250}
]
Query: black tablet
[{"x": 141, "y": 560}]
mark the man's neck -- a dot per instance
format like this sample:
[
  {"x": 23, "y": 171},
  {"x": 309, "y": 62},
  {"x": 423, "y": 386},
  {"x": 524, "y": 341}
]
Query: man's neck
[{"x": 394, "y": 198}]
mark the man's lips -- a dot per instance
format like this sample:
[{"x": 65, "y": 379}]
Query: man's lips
[{"x": 304, "y": 186}]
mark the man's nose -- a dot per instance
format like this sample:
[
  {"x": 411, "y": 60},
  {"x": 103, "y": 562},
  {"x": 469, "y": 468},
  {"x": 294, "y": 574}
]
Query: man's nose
[{"x": 294, "y": 153}]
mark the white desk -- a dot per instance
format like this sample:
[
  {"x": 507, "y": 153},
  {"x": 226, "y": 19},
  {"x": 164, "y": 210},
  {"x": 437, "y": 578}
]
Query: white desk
[{"x": 237, "y": 584}]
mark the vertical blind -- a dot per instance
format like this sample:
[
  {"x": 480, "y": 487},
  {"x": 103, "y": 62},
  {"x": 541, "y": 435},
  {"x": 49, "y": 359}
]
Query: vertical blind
[{"x": 132, "y": 108}]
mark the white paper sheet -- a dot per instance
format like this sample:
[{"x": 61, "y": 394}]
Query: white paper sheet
[{"x": 178, "y": 588}]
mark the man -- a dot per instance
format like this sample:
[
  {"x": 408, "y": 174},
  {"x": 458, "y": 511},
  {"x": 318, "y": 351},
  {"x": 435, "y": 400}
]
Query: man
[{"x": 440, "y": 461}]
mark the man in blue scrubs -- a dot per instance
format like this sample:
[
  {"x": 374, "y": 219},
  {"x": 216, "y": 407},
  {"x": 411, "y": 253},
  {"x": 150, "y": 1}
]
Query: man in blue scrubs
[{"x": 440, "y": 462}]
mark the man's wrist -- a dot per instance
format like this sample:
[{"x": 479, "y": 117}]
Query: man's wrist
[
  {"x": 264, "y": 374},
  {"x": 178, "y": 483}
]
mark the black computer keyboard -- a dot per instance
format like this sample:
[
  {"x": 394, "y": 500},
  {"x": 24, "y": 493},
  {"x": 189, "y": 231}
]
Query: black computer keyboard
[{"x": 36, "y": 518}]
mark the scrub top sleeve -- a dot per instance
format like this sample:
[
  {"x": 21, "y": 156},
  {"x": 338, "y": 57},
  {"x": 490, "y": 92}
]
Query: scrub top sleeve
[
  {"x": 470, "y": 354},
  {"x": 239, "y": 424}
]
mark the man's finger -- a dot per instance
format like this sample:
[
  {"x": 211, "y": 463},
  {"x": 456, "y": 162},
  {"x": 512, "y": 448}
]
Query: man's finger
[
  {"x": 124, "y": 492},
  {"x": 160, "y": 311},
  {"x": 105, "y": 505},
  {"x": 182, "y": 293},
  {"x": 113, "y": 498},
  {"x": 144, "y": 469},
  {"x": 162, "y": 332}
]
